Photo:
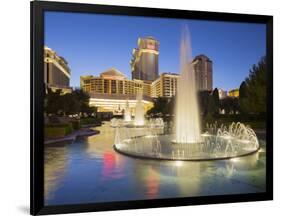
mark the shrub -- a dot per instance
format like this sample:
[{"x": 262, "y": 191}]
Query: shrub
[
  {"x": 89, "y": 121},
  {"x": 76, "y": 125},
  {"x": 68, "y": 129},
  {"x": 57, "y": 130},
  {"x": 54, "y": 132}
]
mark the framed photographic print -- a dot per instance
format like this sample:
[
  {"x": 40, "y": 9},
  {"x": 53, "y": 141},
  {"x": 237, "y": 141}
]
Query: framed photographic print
[{"x": 141, "y": 107}]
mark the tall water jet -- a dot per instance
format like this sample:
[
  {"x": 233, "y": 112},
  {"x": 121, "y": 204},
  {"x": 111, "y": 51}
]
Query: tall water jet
[
  {"x": 127, "y": 113},
  {"x": 139, "y": 111},
  {"x": 187, "y": 121}
]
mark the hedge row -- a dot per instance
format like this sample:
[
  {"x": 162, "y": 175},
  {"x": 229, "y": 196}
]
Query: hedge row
[
  {"x": 89, "y": 121},
  {"x": 56, "y": 131}
]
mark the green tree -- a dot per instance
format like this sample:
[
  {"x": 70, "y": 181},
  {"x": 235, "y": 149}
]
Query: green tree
[
  {"x": 160, "y": 106},
  {"x": 203, "y": 99},
  {"x": 211, "y": 107},
  {"x": 253, "y": 98},
  {"x": 225, "y": 104},
  {"x": 90, "y": 110},
  {"x": 169, "y": 108},
  {"x": 208, "y": 103},
  {"x": 70, "y": 104},
  {"x": 52, "y": 101},
  {"x": 216, "y": 99},
  {"x": 75, "y": 102},
  {"x": 243, "y": 98},
  {"x": 83, "y": 99},
  {"x": 230, "y": 105}
]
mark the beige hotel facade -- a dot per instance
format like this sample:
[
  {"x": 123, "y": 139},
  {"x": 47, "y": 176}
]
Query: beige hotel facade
[
  {"x": 110, "y": 91},
  {"x": 56, "y": 71}
]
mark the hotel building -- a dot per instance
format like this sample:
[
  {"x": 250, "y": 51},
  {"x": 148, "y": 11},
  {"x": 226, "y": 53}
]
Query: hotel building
[
  {"x": 110, "y": 91},
  {"x": 203, "y": 68},
  {"x": 56, "y": 71},
  {"x": 144, "y": 63},
  {"x": 165, "y": 85},
  {"x": 113, "y": 81}
]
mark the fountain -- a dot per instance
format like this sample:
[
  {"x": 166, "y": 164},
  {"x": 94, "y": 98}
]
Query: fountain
[
  {"x": 139, "y": 121},
  {"x": 187, "y": 142},
  {"x": 139, "y": 112},
  {"x": 127, "y": 113},
  {"x": 114, "y": 122},
  {"x": 223, "y": 143},
  {"x": 187, "y": 126}
]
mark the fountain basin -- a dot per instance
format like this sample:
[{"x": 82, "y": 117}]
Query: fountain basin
[{"x": 162, "y": 147}]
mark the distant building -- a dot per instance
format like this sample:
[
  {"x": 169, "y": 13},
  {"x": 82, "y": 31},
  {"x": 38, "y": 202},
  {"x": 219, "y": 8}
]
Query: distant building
[
  {"x": 110, "y": 91},
  {"x": 233, "y": 93},
  {"x": 222, "y": 94},
  {"x": 203, "y": 68},
  {"x": 113, "y": 81},
  {"x": 165, "y": 85},
  {"x": 56, "y": 71},
  {"x": 144, "y": 63}
]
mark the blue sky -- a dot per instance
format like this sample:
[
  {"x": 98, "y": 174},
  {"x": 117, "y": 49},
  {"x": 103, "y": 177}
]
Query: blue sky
[{"x": 93, "y": 43}]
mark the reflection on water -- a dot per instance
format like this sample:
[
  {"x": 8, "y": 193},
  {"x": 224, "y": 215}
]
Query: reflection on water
[
  {"x": 89, "y": 170},
  {"x": 54, "y": 168}
]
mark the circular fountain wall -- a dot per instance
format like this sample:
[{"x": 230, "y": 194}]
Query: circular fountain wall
[{"x": 227, "y": 142}]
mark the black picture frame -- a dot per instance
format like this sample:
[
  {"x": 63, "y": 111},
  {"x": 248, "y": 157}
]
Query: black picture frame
[{"x": 37, "y": 97}]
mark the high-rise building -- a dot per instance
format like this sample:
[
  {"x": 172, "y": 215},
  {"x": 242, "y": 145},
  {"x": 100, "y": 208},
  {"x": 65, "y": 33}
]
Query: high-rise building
[
  {"x": 144, "y": 63},
  {"x": 56, "y": 71},
  {"x": 165, "y": 85},
  {"x": 203, "y": 68}
]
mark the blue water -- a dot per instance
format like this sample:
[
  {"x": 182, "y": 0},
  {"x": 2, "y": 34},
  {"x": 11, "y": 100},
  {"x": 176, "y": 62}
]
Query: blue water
[{"x": 89, "y": 170}]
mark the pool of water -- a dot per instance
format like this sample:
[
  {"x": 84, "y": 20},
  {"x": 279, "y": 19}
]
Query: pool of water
[{"x": 88, "y": 170}]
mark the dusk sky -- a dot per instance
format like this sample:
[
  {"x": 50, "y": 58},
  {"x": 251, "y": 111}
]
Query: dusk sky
[{"x": 91, "y": 44}]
